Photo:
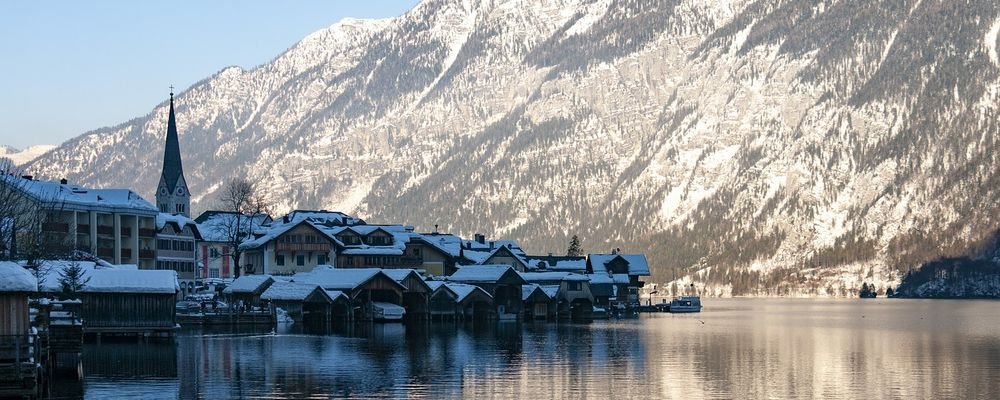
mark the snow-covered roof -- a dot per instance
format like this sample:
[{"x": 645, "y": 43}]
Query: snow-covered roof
[
  {"x": 72, "y": 196},
  {"x": 178, "y": 221},
  {"x": 637, "y": 264},
  {"x": 373, "y": 250},
  {"x": 14, "y": 278},
  {"x": 558, "y": 263},
  {"x": 217, "y": 226},
  {"x": 52, "y": 271},
  {"x": 399, "y": 274},
  {"x": 602, "y": 278},
  {"x": 554, "y": 276},
  {"x": 550, "y": 290},
  {"x": 334, "y": 294},
  {"x": 324, "y": 217},
  {"x": 480, "y": 273},
  {"x": 528, "y": 289},
  {"x": 119, "y": 280},
  {"x": 248, "y": 284},
  {"x": 290, "y": 291},
  {"x": 270, "y": 232},
  {"x": 344, "y": 279},
  {"x": 463, "y": 290}
]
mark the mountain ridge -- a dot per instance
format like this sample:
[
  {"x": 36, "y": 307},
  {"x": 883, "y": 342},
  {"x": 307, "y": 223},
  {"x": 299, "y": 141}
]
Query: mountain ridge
[{"x": 755, "y": 147}]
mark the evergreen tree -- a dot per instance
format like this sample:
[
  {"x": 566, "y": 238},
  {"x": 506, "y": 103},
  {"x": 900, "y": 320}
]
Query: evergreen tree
[
  {"x": 574, "y": 247},
  {"x": 72, "y": 280}
]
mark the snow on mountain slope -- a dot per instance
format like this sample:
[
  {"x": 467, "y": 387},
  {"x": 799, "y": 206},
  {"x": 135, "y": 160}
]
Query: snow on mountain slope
[
  {"x": 21, "y": 157},
  {"x": 758, "y": 147}
]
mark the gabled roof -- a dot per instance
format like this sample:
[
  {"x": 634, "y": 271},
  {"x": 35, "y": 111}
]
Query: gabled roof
[
  {"x": 119, "y": 280},
  {"x": 14, "y": 278},
  {"x": 269, "y": 233},
  {"x": 400, "y": 275},
  {"x": 636, "y": 263},
  {"x": 247, "y": 284},
  {"x": 294, "y": 291},
  {"x": 463, "y": 291},
  {"x": 532, "y": 290},
  {"x": 504, "y": 251},
  {"x": 485, "y": 274},
  {"x": 346, "y": 279}
]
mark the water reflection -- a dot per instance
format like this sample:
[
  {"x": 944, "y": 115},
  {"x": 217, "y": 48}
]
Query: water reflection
[{"x": 734, "y": 349}]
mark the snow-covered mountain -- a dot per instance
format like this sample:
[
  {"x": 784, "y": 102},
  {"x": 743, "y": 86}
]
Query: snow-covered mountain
[
  {"x": 760, "y": 147},
  {"x": 21, "y": 157}
]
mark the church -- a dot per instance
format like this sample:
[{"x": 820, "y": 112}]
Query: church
[{"x": 176, "y": 233}]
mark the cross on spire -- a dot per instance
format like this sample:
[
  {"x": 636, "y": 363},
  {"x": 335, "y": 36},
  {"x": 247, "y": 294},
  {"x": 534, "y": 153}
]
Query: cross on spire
[{"x": 171, "y": 91}]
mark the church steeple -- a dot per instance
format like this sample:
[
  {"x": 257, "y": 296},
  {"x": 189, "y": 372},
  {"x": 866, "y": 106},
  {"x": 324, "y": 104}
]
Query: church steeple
[{"x": 172, "y": 194}]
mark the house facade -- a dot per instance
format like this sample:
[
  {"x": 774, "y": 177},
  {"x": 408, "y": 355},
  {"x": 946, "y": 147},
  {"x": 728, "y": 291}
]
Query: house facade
[
  {"x": 177, "y": 250},
  {"x": 220, "y": 230}
]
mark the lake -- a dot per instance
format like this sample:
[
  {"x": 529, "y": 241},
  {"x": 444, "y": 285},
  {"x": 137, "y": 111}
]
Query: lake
[{"x": 735, "y": 348}]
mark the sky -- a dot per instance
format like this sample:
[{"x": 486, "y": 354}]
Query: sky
[{"x": 69, "y": 67}]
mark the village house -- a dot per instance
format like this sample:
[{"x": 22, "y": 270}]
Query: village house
[
  {"x": 305, "y": 302},
  {"x": 246, "y": 291},
  {"x": 298, "y": 242},
  {"x": 18, "y": 354},
  {"x": 116, "y": 225},
  {"x": 176, "y": 249},
  {"x": 540, "y": 302},
  {"x": 615, "y": 277},
  {"x": 220, "y": 230}
]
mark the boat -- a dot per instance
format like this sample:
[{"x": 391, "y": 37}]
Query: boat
[
  {"x": 388, "y": 312},
  {"x": 685, "y": 304}
]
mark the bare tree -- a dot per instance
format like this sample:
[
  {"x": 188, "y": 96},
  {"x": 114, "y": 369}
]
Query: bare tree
[
  {"x": 247, "y": 200},
  {"x": 29, "y": 225}
]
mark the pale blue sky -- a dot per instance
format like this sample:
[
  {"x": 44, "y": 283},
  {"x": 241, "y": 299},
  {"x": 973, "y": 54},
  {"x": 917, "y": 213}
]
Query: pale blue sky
[{"x": 67, "y": 67}]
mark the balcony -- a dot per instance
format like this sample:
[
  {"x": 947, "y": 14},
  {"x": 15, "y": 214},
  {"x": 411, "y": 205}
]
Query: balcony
[
  {"x": 105, "y": 230},
  {"x": 147, "y": 232},
  {"x": 147, "y": 254},
  {"x": 55, "y": 227},
  {"x": 127, "y": 232},
  {"x": 324, "y": 247},
  {"x": 105, "y": 252},
  {"x": 83, "y": 228},
  {"x": 126, "y": 253}
]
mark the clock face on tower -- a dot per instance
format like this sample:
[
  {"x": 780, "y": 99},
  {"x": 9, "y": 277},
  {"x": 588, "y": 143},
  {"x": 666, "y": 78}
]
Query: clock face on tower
[
  {"x": 163, "y": 191},
  {"x": 180, "y": 191}
]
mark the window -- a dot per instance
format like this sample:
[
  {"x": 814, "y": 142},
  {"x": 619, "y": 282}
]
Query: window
[
  {"x": 321, "y": 259},
  {"x": 416, "y": 252},
  {"x": 300, "y": 260},
  {"x": 180, "y": 208},
  {"x": 575, "y": 286},
  {"x": 213, "y": 252},
  {"x": 213, "y": 272},
  {"x": 279, "y": 259},
  {"x": 163, "y": 207}
]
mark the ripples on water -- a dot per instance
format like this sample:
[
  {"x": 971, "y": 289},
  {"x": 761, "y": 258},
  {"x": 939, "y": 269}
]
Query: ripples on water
[{"x": 734, "y": 349}]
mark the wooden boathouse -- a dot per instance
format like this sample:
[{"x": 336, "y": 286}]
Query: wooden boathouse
[
  {"x": 19, "y": 358},
  {"x": 129, "y": 302}
]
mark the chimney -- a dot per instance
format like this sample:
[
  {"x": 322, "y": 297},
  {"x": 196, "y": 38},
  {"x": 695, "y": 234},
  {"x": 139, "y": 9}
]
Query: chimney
[
  {"x": 481, "y": 238},
  {"x": 63, "y": 181},
  {"x": 28, "y": 177},
  {"x": 284, "y": 219},
  {"x": 492, "y": 243},
  {"x": 435, "y": 228},
  {"x": 550, "y": 254}
]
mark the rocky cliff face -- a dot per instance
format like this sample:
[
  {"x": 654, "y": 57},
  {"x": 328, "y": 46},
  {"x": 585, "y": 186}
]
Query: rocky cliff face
[{"x": 758, "y": 147}]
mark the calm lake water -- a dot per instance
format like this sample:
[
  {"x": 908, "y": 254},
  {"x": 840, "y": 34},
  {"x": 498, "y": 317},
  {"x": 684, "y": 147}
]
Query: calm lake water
[{"x": 828, "y": 349}]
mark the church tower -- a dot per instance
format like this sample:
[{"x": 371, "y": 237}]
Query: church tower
[{"x": 172, "y": 194}]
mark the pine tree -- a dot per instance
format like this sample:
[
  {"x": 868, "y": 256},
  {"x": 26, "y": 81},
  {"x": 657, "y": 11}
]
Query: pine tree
[
  {"x": 574, "y": 249},
  {"x": 72, "y": 280}
]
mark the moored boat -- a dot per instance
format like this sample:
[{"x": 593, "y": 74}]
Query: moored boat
[{"x": 685, "y": 304}]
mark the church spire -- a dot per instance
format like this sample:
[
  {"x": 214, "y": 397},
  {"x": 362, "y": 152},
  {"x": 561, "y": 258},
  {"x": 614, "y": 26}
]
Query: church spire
[{"x": 172, "y": 195}]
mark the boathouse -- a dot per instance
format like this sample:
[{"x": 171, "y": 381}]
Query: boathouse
[
  {"x": 502, "y": 282},
  {"x": 459, "y": 301},
  {"x": 417, "y": 292},
  {"x": 120, "y": 301},
  {"x": 304, "y": 302},
  {"x": 363, "y": 286},
  {"x": 573, "y": 297},
  {"x": 539, "y": 302},
  {"x": 18, "y": 361},
  {"x": 247, "y": 290}
]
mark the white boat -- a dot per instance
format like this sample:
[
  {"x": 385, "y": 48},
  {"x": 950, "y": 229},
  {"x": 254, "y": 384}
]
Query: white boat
[
  {"x": 387, "y": 312},
  {"x": 685, "y": 304}
]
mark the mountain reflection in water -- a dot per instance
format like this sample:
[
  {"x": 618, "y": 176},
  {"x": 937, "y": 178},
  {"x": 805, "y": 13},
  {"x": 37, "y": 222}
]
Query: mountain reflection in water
[{"x": 734, "y": 349}]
